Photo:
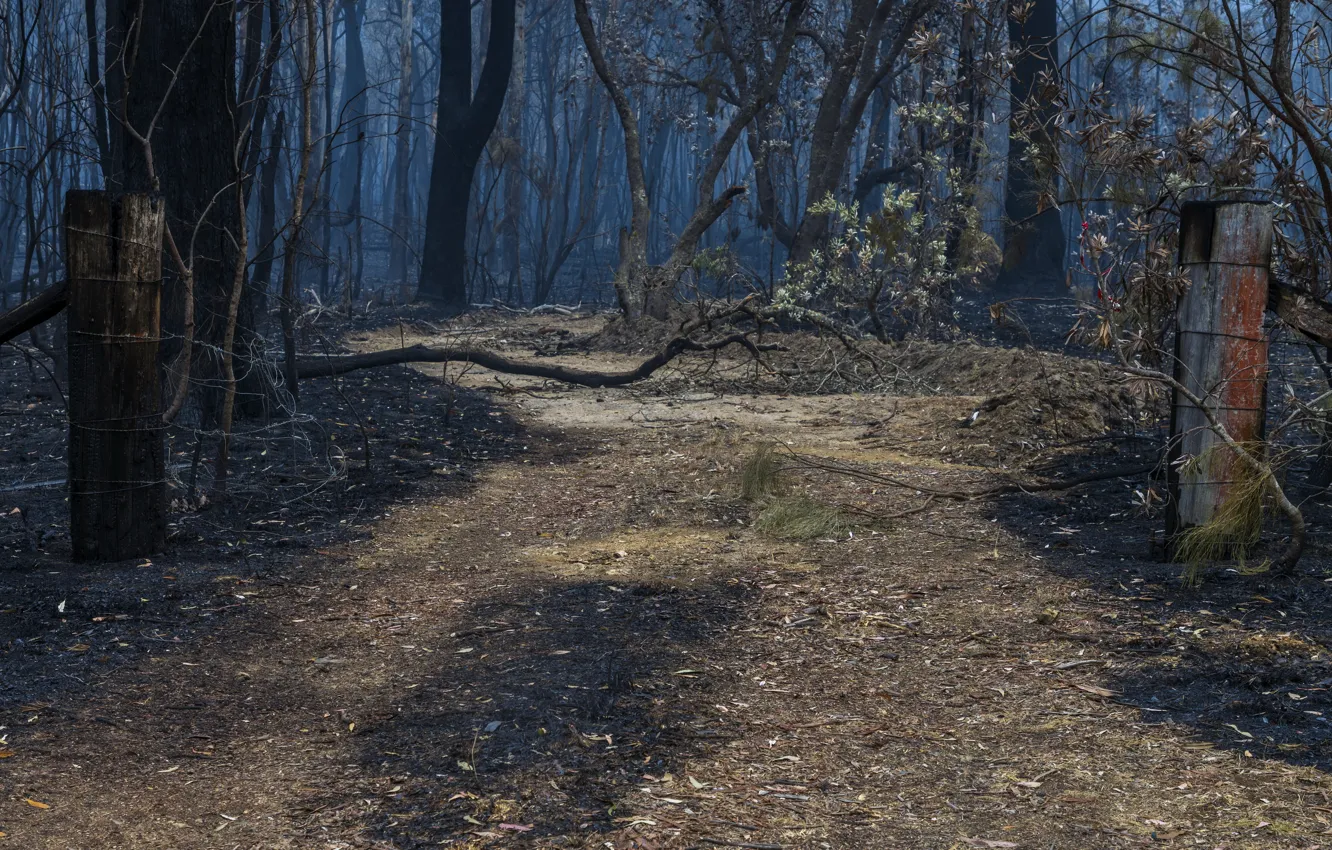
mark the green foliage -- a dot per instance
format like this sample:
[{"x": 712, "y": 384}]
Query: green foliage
[
  {"x": 978, "y": 255},
  {"x": 893, "y": 262},
  {"x": 714, "y": 262}
]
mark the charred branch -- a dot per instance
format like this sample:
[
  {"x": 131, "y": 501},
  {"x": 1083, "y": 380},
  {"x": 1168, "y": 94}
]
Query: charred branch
[
  {"x": 33, "y": 312},
  {"x": 324, "y": 367}
]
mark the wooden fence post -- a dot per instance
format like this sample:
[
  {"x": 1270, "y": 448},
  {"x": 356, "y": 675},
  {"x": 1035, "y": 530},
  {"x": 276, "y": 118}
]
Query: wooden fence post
[
  {"x": 1220, "y": 352},
  {"x": 117, "y": 464}
]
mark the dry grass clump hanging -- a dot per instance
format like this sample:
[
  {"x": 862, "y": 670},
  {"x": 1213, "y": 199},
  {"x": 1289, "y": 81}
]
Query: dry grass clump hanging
[{"x": 1237, "y": 523}]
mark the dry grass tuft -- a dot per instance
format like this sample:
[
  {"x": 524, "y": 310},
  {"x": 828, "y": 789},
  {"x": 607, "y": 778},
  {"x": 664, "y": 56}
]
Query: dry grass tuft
[
  {"x": 802, "y": 518},
  {"x": 761, "y": 476}
]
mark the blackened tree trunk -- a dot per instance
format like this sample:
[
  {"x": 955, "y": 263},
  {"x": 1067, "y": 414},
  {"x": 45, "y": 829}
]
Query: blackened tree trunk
[
  {"x": 402, "y": 156},
  {"x": 1034, "y": 236},
  {"x": 96, "y": 85},
  {"x": 171, "y": 82},
  {"x": 466, "y": 121},
  {"x": 332, "y": 126},
  {"x": 268, "y": 233},
  {"x": 514, "y": 199},
  {"x": 351, "y": 115},
  {"x": 351, "y": 164},
  {"x": 969, "y": 135}
]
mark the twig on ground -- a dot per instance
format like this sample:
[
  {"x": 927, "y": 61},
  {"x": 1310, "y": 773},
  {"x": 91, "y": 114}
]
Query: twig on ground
[{"x": 1012, "y": 486}]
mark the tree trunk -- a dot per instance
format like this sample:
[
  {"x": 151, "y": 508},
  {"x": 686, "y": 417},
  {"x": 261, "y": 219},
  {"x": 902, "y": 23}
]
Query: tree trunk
[
  {"x": 444, "y": 255},
  {"x": 465, "y": 123},
  {"x": 513, "y": 153},
  {"x": 968, "y": 136},
  {"x": 353, "y": 111},
  {"x": 296, "y": 227},
  {"x": 324, "y": 201},
  {"x": 1034, "y": 237},
  {"x": 402, "y": 158},
  {"x": 97, "y": 87},
  {"x": 263, "y": 263},
  {"x": 171, "y": 82}
]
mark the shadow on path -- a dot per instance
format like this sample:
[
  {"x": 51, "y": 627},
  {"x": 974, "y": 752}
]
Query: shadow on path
[
  {"x": 549, "y": 709},
  {"x": 1242, "y": 661}
]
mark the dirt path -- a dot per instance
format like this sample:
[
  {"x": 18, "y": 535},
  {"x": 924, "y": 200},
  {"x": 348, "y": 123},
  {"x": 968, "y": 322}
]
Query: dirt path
[{"x": 591, "y": 646}]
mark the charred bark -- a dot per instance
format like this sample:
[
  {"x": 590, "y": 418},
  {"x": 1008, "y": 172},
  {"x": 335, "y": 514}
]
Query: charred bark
[
  {"x": 1034, "y": 237},
  {"x": 466, "y": 121}
]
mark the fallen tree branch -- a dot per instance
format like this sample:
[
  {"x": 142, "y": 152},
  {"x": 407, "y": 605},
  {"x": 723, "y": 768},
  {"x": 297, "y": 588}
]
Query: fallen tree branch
[
  {"x": 340, "y": 365},
  {"x": 34, "y": 311},
  {"x": 1008, "y": 487}
]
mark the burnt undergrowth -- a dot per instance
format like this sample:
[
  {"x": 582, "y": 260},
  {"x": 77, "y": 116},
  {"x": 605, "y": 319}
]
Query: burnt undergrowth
[{"x": 65, "y": 625}]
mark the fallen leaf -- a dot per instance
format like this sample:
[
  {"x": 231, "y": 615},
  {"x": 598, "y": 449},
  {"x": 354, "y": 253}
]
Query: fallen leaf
[
  {"x": 982, "y": 842},
  {"x": 1095, "y": 689},
  {"x": 171, "y": 769},
  {"x": 1239, "y": 730},
  {"x": 37, "y": 804},
  {"x": 6, "y": 754},
  {"x": 1068, "y": 665},
  {"x": 699, "y": 785},
  {"x": 517, "y": 827}
]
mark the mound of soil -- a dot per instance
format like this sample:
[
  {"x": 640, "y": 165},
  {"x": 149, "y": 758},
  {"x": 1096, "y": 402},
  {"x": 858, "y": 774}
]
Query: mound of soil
[
  {"x": 1006, "y": 399},
  {"x": 641, "y": 337},
  {"x": 1034, "y": 397}
]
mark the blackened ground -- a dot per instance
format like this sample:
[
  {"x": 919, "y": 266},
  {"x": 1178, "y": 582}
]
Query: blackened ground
[{"x": 64, "y": 623}]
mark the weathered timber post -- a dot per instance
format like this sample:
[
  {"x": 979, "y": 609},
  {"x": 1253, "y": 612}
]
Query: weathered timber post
[
  {"x": 1220, "y": 352},
  {"x": 117, "y": 464}
]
